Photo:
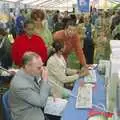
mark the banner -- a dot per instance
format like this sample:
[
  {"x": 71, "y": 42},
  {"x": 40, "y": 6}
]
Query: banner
[{"x": 83, "y": 5}]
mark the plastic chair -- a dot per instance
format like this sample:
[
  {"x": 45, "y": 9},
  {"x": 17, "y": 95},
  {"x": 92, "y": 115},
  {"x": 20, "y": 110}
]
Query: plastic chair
[{"x": 5, "y": 106}]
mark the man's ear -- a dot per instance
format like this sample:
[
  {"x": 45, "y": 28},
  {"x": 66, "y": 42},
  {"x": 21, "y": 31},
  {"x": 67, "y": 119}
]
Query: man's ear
[{"x": 26, "y": 66}]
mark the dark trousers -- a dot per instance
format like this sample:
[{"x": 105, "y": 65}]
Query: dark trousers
[
  {"x": 51, "y": 117},
  {"x": 89, "y": 53}
]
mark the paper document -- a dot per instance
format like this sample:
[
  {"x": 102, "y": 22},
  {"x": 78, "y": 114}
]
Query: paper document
[
  {"x": 84, "y": 97},
  {"x": 55, "y": 107},
  {"x": 90, "y": 78}
]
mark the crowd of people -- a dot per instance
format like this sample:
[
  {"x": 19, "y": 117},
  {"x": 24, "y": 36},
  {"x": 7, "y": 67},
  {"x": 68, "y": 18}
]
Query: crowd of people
[{"x": 51, "y": 50}]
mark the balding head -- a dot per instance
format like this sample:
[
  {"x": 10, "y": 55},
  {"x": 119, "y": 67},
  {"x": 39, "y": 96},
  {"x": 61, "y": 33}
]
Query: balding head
[
  {"x": 32, "y": 63},
  {"x": 28, "y": 57}
]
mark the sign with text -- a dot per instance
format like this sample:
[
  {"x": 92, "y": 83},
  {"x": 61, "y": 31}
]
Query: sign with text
[{"x": 83, "y": 5}]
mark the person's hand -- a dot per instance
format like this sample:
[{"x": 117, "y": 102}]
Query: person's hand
[
  {"x": 84, "y": 72},
  {"x": 13, "y": 71},
  {"x": 44, "y": 74},
  {"x": 56, "y": 93}
]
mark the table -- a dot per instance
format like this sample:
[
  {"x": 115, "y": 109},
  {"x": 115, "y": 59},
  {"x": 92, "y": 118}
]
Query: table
[{"x": 99, "y": 97}]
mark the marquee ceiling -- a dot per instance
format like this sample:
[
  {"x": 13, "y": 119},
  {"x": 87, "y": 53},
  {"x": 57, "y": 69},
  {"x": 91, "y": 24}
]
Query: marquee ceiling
[
  {"x": 52, "y": 4},
  {"x": 47, "y": 3}
]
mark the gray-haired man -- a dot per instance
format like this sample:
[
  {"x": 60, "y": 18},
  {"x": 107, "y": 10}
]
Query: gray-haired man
[{"x": 28, "y": 94}]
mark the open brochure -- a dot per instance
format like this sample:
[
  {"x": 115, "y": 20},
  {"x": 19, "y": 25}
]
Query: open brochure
[
  {"x": 84, "y": 96},
  {"x": 55, "y": 107}
]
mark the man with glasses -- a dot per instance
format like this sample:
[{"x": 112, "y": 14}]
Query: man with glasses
[{"x": 29, "y": 89}]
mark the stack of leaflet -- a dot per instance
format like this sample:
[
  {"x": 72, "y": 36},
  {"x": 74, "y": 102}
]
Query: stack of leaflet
[
  {"x": 91, "y": 78},
  {"x": 111, "y": 93},
  {"x": 104, "y": 68},
  {"x": 107, "y": 72},
  {"x": 115, "y": 56},
  {"x": 113, "y": 83},
  {"x": 55, "y": 107},
  {"x": 84, "y": 96},
  {"x": 114, "y": 43}
]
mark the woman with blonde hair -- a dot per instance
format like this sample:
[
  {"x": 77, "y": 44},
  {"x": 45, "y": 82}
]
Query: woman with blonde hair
[{"x": 38, "y": 16}]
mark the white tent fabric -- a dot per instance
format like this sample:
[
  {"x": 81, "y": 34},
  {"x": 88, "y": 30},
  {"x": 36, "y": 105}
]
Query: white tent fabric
[
  {"x": 61, "y": 5},
  {"x": 47, "y": 4},
  {"x": 12, "y": 0}
]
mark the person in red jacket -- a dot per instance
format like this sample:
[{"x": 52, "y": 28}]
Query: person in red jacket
[{"x": 28, "y": 42}]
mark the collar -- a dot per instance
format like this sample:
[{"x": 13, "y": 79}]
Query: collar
[
  {"x": 26, "y": 35},
  {"x": 27, "y": 76}
]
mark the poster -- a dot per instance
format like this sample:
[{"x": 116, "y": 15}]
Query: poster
[{"x": 83, "y": 5}]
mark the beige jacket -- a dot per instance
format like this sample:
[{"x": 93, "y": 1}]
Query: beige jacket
[{"x": 58, "y": 73}]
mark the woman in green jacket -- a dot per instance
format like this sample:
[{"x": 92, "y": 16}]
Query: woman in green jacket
[{"x": 38, "y": 17}]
